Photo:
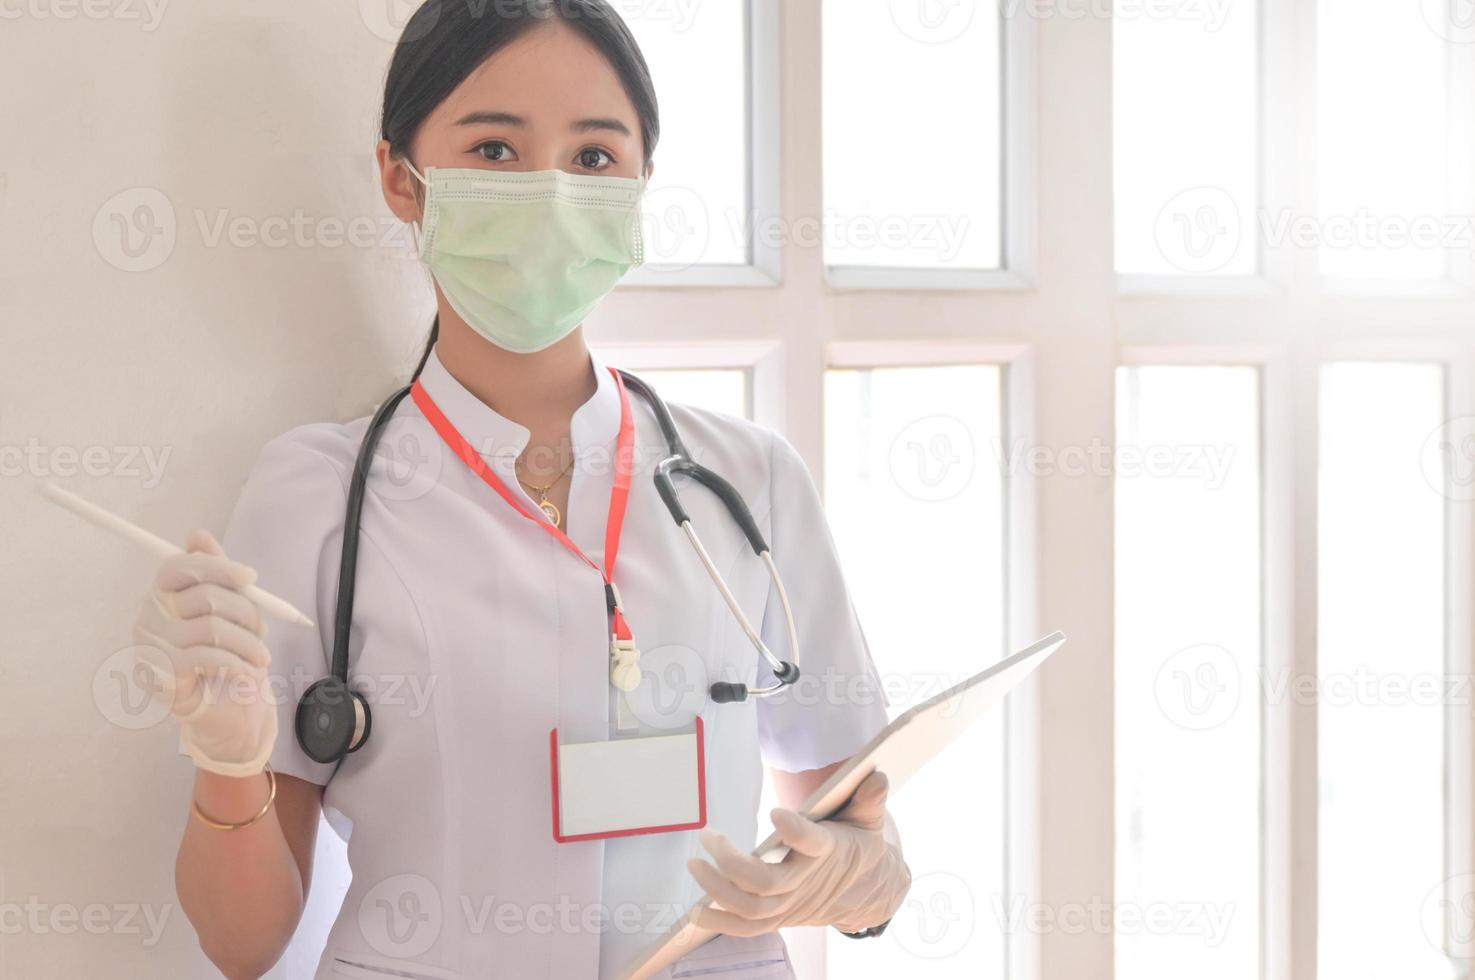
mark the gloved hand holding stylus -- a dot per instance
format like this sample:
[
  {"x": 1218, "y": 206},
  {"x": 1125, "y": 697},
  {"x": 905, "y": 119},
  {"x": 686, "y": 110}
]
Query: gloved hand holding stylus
[
  {"x": 205, "y": 643},
  {"x": 840, "y": 872}
]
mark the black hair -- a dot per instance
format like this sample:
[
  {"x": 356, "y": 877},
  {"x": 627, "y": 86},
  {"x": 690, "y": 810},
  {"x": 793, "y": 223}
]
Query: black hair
[{"x": 446, "y": 40}]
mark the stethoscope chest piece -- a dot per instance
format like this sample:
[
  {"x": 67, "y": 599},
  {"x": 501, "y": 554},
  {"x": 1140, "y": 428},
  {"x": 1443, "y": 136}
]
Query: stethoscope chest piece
[{"x": 332, "y": 720}]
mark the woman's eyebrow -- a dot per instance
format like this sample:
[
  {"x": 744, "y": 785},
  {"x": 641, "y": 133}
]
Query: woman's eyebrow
[
  {"x": 491, "y": 119},
  {"x": 611, "y": 125}
]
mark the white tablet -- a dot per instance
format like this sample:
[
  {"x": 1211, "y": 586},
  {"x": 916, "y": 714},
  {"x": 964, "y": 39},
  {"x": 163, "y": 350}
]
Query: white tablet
[{"x": 900, "y": 751}]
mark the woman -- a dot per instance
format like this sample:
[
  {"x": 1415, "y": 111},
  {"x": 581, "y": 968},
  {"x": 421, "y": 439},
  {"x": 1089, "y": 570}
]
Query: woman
[{"x": 517, "y": 138}]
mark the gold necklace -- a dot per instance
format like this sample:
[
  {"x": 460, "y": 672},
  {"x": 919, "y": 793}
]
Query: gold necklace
[{"x": 547, "y": 506}]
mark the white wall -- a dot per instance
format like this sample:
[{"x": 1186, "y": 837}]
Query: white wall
[{"x": 248, "y": 108}]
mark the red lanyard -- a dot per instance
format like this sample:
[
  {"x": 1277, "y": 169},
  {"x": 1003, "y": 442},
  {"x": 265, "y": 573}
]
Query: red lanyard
[{"x": 619, "y": 495}]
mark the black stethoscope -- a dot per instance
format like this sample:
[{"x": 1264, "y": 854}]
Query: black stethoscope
[{"x": 333, "y": 720}]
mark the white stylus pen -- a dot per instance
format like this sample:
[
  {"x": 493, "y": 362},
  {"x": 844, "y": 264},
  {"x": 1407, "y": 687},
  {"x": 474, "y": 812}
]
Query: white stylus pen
[{"x": 264, "y": 600}]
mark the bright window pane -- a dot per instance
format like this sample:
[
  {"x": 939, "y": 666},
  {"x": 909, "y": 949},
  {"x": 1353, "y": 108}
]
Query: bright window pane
[
  {"x": 719, "y": 390},
  {"x": 912, "y": 134},
  {"x": 917, "y": 446},
  {"x": 1188, "y": 660},
  {"x": 1383, "y": 152},
  {"x": 1186, "y": 138},
  {"x": 1381, "y": 666},
  {"x": 697, "y": 205}
]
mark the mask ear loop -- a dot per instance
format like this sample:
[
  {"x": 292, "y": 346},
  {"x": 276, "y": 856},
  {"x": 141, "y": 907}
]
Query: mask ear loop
[{"x": 416, "y": 228}]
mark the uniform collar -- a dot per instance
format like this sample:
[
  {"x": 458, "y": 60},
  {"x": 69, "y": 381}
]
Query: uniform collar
[{"x": 501, "y": 440}]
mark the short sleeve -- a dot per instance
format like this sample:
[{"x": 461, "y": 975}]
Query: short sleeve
[
  {"x": 288, "y": 525},
  {"x": 838, "y": 705}
]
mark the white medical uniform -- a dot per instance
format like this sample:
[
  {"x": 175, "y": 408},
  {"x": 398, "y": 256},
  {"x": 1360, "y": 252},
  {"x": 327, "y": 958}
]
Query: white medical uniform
[{"x": 476, "y": 633}]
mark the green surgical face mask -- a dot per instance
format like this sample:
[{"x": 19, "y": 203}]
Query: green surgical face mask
[{"x": 525, "y": 257}]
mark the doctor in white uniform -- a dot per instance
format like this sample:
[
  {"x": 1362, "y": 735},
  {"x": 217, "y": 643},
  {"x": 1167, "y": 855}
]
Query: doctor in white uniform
[{"x": 518, "y": 143}]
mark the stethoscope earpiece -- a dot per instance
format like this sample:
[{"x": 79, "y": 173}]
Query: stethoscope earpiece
[{"x": 724, "y": 692}]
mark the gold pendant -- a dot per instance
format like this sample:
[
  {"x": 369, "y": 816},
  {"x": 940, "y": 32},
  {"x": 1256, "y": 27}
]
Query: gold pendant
[{"x": 551, "y": 509}]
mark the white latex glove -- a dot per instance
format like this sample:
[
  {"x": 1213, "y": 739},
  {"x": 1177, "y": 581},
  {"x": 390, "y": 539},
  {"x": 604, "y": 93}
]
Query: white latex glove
[
  {"x": 203, "y": 641},
  {"x": 840, "y": 872}
]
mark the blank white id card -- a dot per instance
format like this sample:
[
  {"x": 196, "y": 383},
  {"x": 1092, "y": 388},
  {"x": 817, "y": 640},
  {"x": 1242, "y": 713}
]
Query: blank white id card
[{"x": 624, "y": 787}]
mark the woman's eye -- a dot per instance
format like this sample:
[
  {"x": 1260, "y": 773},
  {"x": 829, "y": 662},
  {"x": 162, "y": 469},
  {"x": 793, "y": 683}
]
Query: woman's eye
[
  {"x": 496, "y": 151},
  {"x": 592, "y": 159}
]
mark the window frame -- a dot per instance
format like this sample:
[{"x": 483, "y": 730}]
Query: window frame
[
  {"x": 1017, "y": 188},
  {"x": 761, "y": 42},
  {"x": 1062, "y": 320}
]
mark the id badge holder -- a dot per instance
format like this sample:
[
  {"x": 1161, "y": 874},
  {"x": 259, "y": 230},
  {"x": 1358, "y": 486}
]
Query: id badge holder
[{"x": 625, "y": 787}]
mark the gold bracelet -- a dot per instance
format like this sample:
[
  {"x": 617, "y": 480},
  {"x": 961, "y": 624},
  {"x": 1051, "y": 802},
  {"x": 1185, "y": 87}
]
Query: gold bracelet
[{"x": 271, "y": 797}]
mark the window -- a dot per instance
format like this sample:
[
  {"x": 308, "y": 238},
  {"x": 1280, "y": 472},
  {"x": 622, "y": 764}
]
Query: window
[
  {"x": 1187, "y": 673},
  {"x": 699, "y": 202},
  {"x": 921, "y": 446},
  {"x": 1382, "y": 681},
  {"x": 722, "y": 390},
  {"x": 1187, "y": 138},
  {"x": 1384, "y": 139},
  {"x": 913, "y": 135}
]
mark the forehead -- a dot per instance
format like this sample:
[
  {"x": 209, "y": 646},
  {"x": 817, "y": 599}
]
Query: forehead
[{"x": 549, "y": 75}]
